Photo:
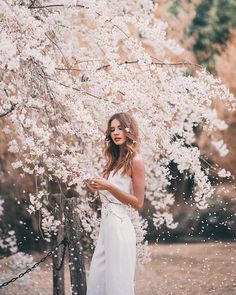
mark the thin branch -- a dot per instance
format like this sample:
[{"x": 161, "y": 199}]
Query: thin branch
[
  {"x": 88, "y": 60},
  {"x": 32, "y": 3},
  {"x": 67, "y": 63},
  {"x": 120, "y": 64},
  {"x": 115, "y": 26},
  {"x": 184, "y": 63},
  {"x": 69, "y": 69},
  {"x": 75, "y": 88},
  {"x": 32, "y": 107},
  {"x": 122, "y": 93},
  {"x": 161, "y": 63},
  {"x": 13, "y": 106},
  {"x": 54, "y": 5},
  {"x": 49, "y": 92},
  {"x": 6, "y": 92}
]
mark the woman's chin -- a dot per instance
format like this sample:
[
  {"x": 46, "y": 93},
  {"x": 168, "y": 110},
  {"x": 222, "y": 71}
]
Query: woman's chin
[{"x": 119, "y": 142}]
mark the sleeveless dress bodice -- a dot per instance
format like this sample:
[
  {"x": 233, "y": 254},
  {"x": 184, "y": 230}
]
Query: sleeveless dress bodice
[
  {"x": 111, "y": 204},
  {"x": 123, "y": 182}
]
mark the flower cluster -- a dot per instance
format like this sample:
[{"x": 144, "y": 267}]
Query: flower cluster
[{"x": 9, "y": 242}]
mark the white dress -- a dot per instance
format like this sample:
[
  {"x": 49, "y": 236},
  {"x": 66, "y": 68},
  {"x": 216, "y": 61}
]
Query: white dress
[{"x": 113, "y": 263}]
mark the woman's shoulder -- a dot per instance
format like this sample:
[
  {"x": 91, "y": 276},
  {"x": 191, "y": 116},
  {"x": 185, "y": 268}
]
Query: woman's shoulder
[
  {"x": 137, "y": 160},
  {"x": 137, "y": 157},
  {"x": 137, "y": 165}
]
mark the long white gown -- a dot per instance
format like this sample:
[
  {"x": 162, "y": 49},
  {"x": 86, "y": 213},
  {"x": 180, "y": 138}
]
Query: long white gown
[{"x": 113, "y": 263}]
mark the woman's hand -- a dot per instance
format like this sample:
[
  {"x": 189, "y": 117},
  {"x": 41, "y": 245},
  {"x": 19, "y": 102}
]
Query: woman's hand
[
  {"x": 89, "y": 185},
  {"x": 99, "y": 183}
]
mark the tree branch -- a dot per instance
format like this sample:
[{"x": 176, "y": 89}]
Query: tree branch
[
  {"x": 52, "y": 6},
  {"x": 53, "y": 42},
  {"x": 181, "y": 63},
  {"x": 13, "y": 106},
  {"x": 160, "y": 63}
]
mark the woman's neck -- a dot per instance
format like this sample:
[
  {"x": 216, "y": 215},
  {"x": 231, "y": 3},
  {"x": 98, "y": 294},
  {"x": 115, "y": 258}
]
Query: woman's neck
[{"x": 122, "y": 149}]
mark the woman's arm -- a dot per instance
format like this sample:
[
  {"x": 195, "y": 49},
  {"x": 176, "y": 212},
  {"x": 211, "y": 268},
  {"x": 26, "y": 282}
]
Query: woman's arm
[{"x": 138, "y": 178}]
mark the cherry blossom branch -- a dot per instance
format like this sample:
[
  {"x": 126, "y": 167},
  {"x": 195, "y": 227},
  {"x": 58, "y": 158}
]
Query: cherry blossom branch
[
  {"x": 118, "y": 28},
  {"x": 182, "y": 63},
  {"x": 13, "y": 106},
  {"x": 120, "y": 64},
  {"x": 69, "y": 69},
  {"x": 52, "y": 6},
  {"x": 176, "y": 63},
  {"x": 161, "y": 63},
  {"x": 67, "y": 63}
]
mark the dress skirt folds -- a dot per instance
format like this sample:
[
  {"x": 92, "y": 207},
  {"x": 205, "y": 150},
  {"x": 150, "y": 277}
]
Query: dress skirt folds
[{"x": 113, "y": 263}]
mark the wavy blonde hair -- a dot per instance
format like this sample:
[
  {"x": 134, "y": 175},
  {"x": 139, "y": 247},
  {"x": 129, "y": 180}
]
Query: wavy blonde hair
[{"x": 116, "y": 159}]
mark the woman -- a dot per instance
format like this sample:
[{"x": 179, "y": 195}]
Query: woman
[{"x": 121, "y": 190}]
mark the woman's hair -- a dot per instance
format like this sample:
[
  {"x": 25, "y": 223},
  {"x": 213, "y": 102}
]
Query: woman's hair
[{"x": 115, "y": 159}]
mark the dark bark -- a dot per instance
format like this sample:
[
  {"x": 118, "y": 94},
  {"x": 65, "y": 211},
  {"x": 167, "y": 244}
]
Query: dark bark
[
  {"x": 76, "y": 258},
  {"x": 58, "y": 256}
]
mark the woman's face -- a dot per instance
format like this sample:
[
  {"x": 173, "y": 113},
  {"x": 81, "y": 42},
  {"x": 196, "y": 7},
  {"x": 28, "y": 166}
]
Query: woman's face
[{"x": 117, "y": 134}]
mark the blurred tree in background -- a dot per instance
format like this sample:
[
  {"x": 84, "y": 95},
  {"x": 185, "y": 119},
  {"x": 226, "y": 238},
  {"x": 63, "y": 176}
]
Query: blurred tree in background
[{"x": 211, "y": 29}]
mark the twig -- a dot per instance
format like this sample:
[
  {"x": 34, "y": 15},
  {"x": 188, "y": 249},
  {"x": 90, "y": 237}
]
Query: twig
[
  {"x": 13, "y": 106},
  {"x": 67, "y": 63},
  {"x": 69, "y": 69},
  {"x": 161, "y": 63},
  {"x": 54, "y": 5}
]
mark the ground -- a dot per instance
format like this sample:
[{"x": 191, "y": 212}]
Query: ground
[{"x": 175, "y": 269}]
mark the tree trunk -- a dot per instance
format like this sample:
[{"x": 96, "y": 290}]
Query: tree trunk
[
  {"x": 76, "y": 259},
  {"x": 58, "y": 257}
]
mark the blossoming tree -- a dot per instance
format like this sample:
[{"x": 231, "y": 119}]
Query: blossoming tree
[{"x": 67, "y": 66}]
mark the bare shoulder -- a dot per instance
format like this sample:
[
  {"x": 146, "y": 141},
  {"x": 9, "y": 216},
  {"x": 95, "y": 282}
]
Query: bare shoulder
[
  {"x": 137, "y": 158},
  {"x": 137, "y": 162}
]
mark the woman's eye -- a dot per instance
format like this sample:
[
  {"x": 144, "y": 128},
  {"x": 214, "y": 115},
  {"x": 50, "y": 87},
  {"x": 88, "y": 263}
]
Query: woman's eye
[{"x": 120, "y": 128}]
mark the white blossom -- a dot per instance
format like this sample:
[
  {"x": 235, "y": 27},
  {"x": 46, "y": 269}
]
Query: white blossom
[
  {"x": 224, "y": 173},
  {"x": 221, "y": 147}
]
